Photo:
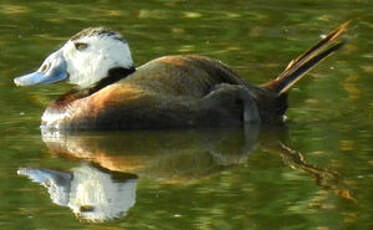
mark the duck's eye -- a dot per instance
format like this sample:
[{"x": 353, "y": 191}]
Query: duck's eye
[
  {"x": 44, "y": 68},
  {"x": 80, "y": 45}
]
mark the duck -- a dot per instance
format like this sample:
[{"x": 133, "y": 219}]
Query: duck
[{"x": 178, "y": 91}]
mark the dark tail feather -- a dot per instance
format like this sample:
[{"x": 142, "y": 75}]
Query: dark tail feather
[{"x": 298, "y": 68}]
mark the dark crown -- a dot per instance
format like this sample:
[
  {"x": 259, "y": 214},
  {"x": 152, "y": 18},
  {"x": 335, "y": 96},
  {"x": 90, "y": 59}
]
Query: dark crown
[{"x": 98, "y": 31}]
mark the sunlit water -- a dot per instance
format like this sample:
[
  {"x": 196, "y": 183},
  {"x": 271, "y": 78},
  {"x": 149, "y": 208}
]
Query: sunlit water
[{"x": 314, "y": 174}]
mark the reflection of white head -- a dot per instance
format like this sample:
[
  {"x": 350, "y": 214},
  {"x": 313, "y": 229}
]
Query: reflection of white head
[
  {"x": 92, "y": 194},
  {"x": 95, "y": 196}
]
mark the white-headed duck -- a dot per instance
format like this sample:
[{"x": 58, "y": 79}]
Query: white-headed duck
[{"x": 171, "y": 91}]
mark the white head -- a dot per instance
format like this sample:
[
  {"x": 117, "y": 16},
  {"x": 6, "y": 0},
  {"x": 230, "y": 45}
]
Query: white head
[{"x": 85, "y": 59}]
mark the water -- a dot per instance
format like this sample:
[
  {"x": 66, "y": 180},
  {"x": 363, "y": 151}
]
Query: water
[{"x": 314, "y": 174}]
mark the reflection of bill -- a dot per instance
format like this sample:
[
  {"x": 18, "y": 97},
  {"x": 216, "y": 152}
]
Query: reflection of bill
[{"x": 92, "y": 194}]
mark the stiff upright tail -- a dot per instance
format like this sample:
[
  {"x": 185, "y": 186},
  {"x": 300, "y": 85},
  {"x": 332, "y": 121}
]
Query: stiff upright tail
[{"x": 298, "y": 68}]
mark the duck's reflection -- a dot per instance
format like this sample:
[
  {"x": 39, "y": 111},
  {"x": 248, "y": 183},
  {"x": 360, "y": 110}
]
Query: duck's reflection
[
  {"x": 170, "y": 156},
  {"x": 91, "y": 193},
  {"x": 107, "y": 190}
]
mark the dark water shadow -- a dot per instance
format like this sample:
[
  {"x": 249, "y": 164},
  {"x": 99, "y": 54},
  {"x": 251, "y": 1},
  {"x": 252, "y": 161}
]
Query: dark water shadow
[{"x": 103, "y": 187}]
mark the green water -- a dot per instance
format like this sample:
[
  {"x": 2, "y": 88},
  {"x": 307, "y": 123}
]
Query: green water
[{"x": 315, "y": 174}]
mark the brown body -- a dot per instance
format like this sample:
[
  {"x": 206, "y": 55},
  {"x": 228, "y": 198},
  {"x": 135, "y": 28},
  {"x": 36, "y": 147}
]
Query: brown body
[
  {"x": 173, "y": 91},
  {"x": 183, "y": 91}
]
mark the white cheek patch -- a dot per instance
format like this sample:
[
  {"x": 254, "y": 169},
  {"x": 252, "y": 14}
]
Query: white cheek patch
[{"x": 92, "y": 64}]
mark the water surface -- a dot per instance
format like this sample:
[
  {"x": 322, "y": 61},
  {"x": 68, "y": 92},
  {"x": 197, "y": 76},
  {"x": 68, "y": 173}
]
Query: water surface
[{"x": 314, "y": 174}]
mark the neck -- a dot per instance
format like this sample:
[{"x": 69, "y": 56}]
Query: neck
[{"x": 114, "y": 75}]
